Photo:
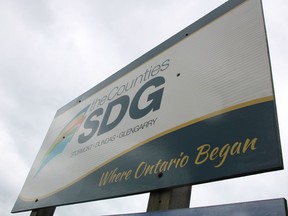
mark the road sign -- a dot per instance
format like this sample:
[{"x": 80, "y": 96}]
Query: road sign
[{"x": 197, "y": 108}]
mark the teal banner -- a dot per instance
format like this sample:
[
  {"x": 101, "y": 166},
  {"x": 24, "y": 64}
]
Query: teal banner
[{"x": 232, "y": 144}]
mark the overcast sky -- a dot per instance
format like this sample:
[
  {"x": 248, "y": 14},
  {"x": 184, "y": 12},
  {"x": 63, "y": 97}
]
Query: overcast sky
[{"x": 53, "y": 51}]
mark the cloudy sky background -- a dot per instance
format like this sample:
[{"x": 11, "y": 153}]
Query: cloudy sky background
[{"x": 53, "y": 51}]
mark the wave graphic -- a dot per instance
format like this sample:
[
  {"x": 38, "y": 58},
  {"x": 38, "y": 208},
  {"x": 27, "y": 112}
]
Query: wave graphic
[{"x": 64, "y": 137}]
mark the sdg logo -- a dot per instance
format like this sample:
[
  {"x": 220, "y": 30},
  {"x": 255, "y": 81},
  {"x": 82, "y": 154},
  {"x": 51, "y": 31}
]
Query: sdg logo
[{"x": 64, "y": 137}]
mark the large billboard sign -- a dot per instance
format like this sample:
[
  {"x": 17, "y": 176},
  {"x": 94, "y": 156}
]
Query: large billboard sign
[{"x": 197, "y": 108}]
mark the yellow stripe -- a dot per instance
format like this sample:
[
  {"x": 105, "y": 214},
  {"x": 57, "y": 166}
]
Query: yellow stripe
[{"x": 202, "y": 118}]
